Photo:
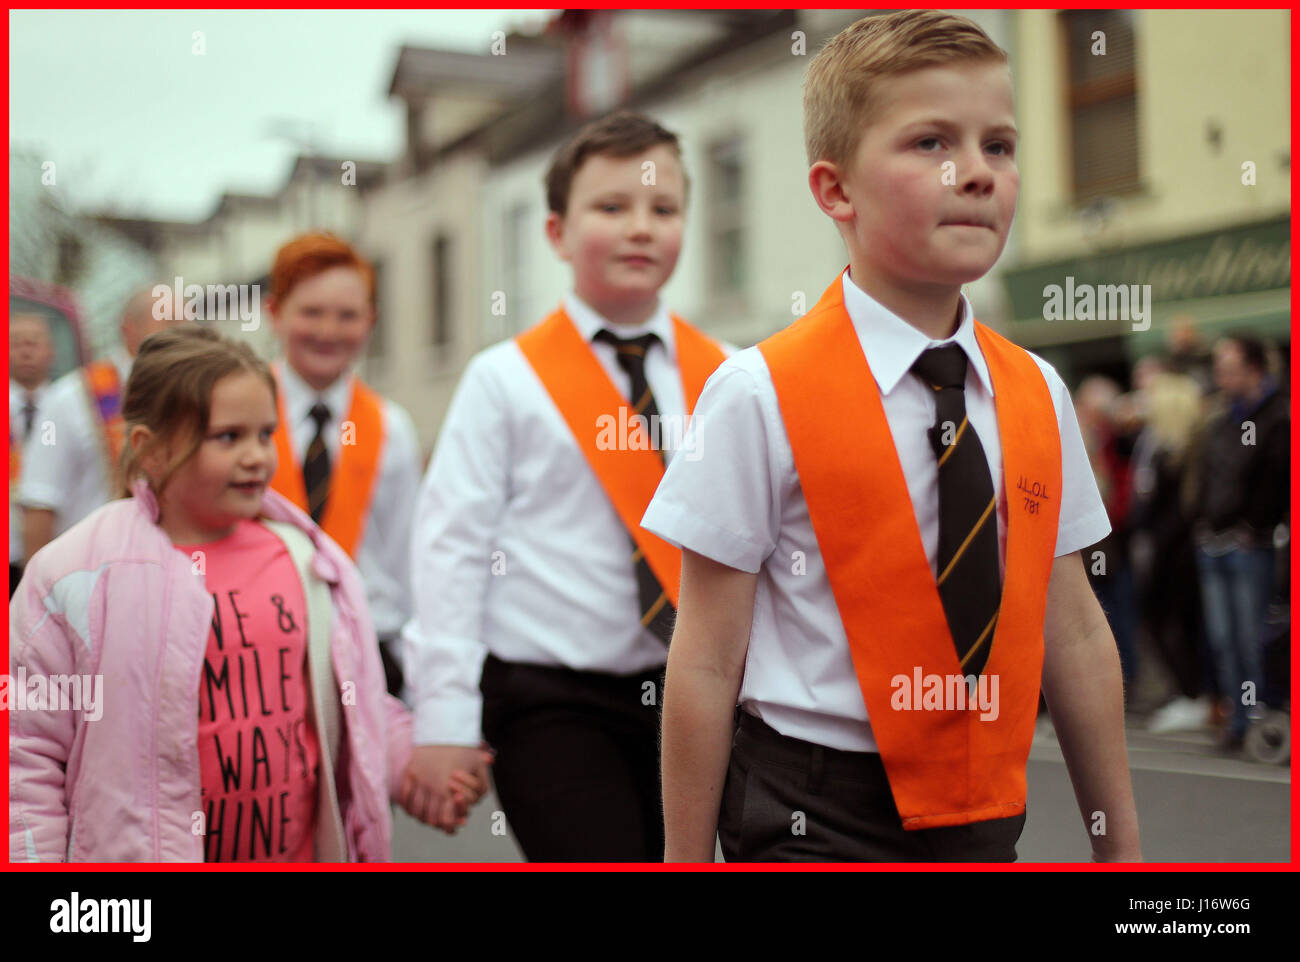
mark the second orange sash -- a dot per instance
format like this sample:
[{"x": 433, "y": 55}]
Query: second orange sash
[
  {"x": 584, "y": 394},
  {"x": 352, "y": 480}
]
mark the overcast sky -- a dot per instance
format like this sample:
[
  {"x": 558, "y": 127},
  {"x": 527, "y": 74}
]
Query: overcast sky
[{"x": 134, "y": 119}]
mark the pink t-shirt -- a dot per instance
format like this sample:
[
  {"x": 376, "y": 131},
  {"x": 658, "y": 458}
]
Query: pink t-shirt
[{"x": 257, "y": 749}]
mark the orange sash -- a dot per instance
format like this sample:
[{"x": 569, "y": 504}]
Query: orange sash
[
  {"x": 352, "y": 479},
  {"x": 945, "y": 767},
  {"x": 584, "y": 394},
  {"x": 104, "y": 389}
]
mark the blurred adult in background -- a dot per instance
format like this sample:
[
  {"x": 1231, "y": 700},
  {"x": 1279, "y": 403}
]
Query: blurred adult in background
[
  {"x": 1187, "y": 352},
  {"x": 1145, "y": 371},
  {"x": 1241, "y": 495},
  {"x": 1162, "y": 549},
  {"x": 31, "y": 354},
  {"x": 1108, "y": 421},
  {"x": 69, "y": 462}
]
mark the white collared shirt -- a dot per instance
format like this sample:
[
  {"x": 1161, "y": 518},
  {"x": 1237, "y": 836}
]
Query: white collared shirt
[
  {"x": 383, "y": 556},
  {"x": 64, "y": 467},
  {"x": 516, "y": 548},
  {"x": 741, "y": 504},
  {"x": 18, "y": 398}
]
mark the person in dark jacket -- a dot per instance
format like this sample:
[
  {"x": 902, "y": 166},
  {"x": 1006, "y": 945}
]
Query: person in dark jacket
[{"x": 1241, "y": 496}]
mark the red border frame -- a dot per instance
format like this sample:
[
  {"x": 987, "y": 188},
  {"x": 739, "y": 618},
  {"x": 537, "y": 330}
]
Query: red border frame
[{"x": 641, "y": 867}]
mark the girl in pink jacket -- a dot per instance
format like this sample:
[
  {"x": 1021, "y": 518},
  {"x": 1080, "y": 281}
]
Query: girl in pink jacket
[{"x": 173, "y": 698}]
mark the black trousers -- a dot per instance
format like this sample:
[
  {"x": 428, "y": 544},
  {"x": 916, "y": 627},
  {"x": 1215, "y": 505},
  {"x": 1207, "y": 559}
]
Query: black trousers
[
  {"x": 392, "y": 670},
  {"x": 787, "y": 800},
  {"x": 577, "y": 761}
]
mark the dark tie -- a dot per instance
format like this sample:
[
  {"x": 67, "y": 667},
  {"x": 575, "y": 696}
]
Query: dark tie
[
  {"x": 970, "y": 586},
  {"x": 657, "y": 613},
  {"x": 29, "y": 416},
  {"x": 316, "y": 465}
]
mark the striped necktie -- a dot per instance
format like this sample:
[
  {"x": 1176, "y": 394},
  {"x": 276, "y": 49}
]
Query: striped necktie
[
  {"x": 657, "y": 612},
  {"x": 29, "y": 415},
  {"x": 970, "y": 585},
  {"x": 316, "y": 465}
]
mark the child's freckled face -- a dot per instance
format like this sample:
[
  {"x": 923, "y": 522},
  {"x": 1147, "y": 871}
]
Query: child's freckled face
[
  {"x": 323, "y": 324},
  {"x": 223, "y": 482},
  {"x": 622, "y": 235},
  {"x": 909, "y": 202}
]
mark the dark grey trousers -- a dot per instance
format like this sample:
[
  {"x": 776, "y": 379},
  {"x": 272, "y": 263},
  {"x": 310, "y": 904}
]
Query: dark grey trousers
[{"x": 788, "y": 800}]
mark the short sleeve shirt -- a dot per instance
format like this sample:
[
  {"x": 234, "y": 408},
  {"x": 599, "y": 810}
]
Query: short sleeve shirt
[{"x": 734, "y": 496}]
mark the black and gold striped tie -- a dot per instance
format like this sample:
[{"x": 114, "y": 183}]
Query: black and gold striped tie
[
  {"x": 316, "y": 465},
  {"x": 657, "y": 612},
  {"x": 970, "y": 585}
]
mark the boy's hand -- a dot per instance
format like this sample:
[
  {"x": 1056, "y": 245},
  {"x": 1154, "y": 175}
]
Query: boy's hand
[
  {"x": 467, "y": 786},
  {"x": 442, "y": 781}
]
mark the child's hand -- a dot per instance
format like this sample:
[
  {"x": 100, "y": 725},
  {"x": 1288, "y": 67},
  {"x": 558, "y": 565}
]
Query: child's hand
[
  {"x": 467, "y": 787},
  {"x": 428, "y": 791}
]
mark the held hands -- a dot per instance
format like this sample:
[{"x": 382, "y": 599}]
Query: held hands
[{"x": 442, "y": 782}]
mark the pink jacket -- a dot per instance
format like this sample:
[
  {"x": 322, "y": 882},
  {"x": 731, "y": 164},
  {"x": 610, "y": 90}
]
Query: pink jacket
[{"x": 113, "y": 597}]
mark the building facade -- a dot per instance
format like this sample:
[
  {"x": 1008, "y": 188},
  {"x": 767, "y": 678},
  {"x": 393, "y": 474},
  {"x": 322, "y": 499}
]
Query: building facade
[{"x": 1153, "y": 154}]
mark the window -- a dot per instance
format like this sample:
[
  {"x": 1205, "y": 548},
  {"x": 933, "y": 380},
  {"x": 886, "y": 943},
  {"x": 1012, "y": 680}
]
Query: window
[
  {"x": 515, "y": 238},
  {"x": 728, "y": 250},
  {"x": 71, "y": 259},
  {"x": 1102, "y": 99},
  {"x": 442, "y": 327},
  {"x": 376, "y": 347}
]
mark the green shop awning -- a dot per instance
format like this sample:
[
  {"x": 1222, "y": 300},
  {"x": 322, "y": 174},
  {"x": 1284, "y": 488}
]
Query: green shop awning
[{"x": 1223, "y": 280}]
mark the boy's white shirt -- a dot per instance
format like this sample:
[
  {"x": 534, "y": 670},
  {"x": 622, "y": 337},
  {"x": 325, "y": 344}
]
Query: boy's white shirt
[
  {"x": 63, "y": 460},
  {"x": 516, "y": 548},
  {"x": 741, "y": 504},
  {"x": 383, "y": 557},
  {"x": 18, "y": 396}
]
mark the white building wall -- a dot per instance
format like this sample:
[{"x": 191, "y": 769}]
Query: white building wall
[{"x": 399, "y": 225}]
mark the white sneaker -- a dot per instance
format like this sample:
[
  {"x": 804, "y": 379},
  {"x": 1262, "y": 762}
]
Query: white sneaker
[{"x": 1180, "y": 715}]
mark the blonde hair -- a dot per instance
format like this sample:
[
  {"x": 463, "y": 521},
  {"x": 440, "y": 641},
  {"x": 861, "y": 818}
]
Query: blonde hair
[
  {"x": 1173, "y": 412},
  {"x": 170, "y": 393},
  {"x": 839, "y": 88}
]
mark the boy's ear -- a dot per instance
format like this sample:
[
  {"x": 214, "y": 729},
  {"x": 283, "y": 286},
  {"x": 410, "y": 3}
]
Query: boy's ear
[
  {"x": 555, "y": 234},
  {"x": 826, "y": 182}
]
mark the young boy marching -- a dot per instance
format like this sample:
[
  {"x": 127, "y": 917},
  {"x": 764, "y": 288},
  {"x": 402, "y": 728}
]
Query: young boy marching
[
  {"x": 882, "y": 537},
  {"x": 543, "y": 610},
  {"x": 347, "y": 456}
]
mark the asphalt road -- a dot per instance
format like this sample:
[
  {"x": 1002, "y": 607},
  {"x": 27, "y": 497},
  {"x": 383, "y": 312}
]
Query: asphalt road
[{"x": 1193, "y": 806}]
